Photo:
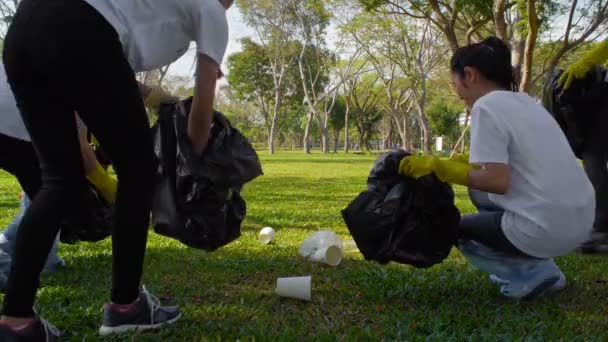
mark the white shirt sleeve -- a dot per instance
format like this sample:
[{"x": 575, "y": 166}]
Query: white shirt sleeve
[
  {"x": 489, "y": 138},
  {"x": 212, "y": 30}
]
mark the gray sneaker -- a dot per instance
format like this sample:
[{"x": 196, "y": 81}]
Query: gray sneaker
[
  {"x": 147, "y": 314},
  {"x": 54, "y": 265}
]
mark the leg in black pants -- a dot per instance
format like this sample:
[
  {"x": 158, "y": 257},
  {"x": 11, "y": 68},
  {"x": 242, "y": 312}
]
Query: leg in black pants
[
  {"x": 486, "y": 225},
  {"x": 18, "y": 158},
  {"x": 518, "y": 274},
  {"x": 61, "y": 56}
]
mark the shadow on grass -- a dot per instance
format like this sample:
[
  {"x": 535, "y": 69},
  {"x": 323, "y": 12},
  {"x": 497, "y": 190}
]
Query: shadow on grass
[{"x": 14, "y": 204}]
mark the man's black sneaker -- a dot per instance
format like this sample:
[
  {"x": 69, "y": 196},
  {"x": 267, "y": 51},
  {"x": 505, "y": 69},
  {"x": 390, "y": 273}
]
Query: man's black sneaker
[
  {"x": 597, "y": 245},
  {"x": 146, "y": 314},
  {"x": 37, "y": 331}
]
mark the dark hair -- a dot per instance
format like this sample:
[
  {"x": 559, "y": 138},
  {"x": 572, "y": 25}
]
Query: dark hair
[{"x": 491, "y": 57}]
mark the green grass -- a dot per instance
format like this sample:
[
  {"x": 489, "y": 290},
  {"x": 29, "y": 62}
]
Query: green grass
[{"x": 229, "y": 294}]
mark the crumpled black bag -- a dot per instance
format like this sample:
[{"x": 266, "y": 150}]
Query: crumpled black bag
[
  {"x": 582, "y": 109},
  {"x": 93, "y": 223},
  {"x": 399, "y": 219},
  {"x": 198, "y": 199}
]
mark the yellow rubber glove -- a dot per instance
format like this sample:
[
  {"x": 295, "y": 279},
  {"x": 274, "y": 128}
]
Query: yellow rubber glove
[
  {"x": 578, "y": 70},
  {"x": 449, "y": 171},
  {"x": 461, "y": 158},
  {"x": 103, "y": 182}
]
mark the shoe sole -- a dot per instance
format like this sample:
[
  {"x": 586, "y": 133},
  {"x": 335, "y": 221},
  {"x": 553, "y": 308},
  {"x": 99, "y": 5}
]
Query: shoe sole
[
  {"x": 554, "y": 288},
  {"x": 541, "y": 288},
  {"x": 105, "y": 331}
]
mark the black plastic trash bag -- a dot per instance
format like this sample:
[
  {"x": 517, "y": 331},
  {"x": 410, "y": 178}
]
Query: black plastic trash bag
[
  {"x": 400, "y": 219},
  {"x": 198, "y": 199},
  {"x": 92, "y": 224},
  {"x": 582, "y": 113},
  {"x": 582, "y": 109}
]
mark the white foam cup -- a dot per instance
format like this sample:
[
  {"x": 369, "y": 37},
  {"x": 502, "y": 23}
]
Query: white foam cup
[
  {"x": 295, "y": 287},
  {"x": 267, "y": 235},
  {"x": 331, "y": 255}
]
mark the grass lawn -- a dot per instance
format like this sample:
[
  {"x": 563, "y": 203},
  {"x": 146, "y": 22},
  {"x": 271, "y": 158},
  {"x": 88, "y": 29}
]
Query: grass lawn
[{"x": 229, "y": 294}]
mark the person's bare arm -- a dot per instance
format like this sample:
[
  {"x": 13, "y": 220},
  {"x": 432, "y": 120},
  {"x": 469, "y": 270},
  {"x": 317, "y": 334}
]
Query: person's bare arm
[
  {"x": 492, "y": 177},
  {"x": 201, "y": 113}
]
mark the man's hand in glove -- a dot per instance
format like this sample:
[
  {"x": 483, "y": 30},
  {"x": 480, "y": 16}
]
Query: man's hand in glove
[
  {"x": 461, "y": 158},
  {"x": 578, "y": 70},
  {"x": 449, "y": 171}
]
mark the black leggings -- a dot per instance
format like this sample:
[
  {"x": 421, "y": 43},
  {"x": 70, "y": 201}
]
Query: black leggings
[
  {"x": 486, "y": 225},
  {"x": 18, "y": 158},
  {"x": 62, "y": 56}
]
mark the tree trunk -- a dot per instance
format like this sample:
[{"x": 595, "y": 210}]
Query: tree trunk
[
  {"x": 274, "y": 124},
  {"x": 530, "y": 44},
  {"x": 346, "y": 137},
  {"x": 325, "y": 139},
  {"x": 336, "y": 140},
  {"x": 517, "y": 48},
  {"x": 466, "y": 124},
  {"x": 425, "y": 128},
  {"x": 271, "y": 137},
  {"x": 452, "y": 38},
  {"x": 361, "y": 140},
  {"x": 306, "y": 140},
  {"x": 406, "y": 136},
  {"x": 426, "y": 135},
  {"x": 499, "y": 20},
  {"x": 386, "y": 142}
]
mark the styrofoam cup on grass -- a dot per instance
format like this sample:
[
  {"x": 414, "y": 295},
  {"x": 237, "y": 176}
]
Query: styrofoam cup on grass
[
  {"x": 331, "y": 255},
  {"x": 266, "y": 235},
  {"x": 323, "y": 246},
  {"x": 295, "y": 287}
]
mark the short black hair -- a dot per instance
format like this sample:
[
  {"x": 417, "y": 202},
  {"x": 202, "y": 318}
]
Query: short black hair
[{"x": 491, "y": 57}]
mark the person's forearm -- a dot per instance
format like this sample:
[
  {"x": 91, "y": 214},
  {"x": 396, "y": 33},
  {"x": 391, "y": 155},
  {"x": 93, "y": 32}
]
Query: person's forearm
[
  {"x": 485, "y": 180},
  {"x": 199, "y": 123},
  {"x": 201, "y": 113}
]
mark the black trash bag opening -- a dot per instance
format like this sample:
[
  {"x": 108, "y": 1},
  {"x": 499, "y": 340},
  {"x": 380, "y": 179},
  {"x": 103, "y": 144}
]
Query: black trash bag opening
[
  {"x": 92, "y": 224},
  {"x": 401, "y": 219},
  {"x": 198, "y": 199}
]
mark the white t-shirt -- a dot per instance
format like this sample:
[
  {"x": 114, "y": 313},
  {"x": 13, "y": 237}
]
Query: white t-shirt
[
  {"x": 11, "y": 123},
  {"x": 155, "y": 33},
  {"x": 550, "y": 204}
]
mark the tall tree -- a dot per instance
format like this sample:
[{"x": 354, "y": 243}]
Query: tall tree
[
  {"x": 587, "y": 20},
  {"x": 275, "y": 27},
  {"x": 380, "y": 36},
  {"x": 363, "y": 97},
  {"x": 250, "y": 75},
  {"x": 337, "y": 120},
  {"x": 458, "y": 20},
  {"x": 315, "y": 62}
]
